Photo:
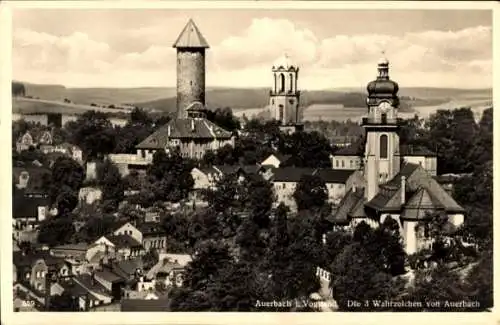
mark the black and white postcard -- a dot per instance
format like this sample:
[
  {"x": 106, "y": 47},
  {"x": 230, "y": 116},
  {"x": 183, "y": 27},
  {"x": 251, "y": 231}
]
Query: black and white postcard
[{"x": 291, "y": 157}]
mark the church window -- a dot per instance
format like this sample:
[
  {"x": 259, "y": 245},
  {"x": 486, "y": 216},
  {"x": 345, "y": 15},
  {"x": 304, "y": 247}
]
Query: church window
[
  {"x": 281, "y": 112},
  {"x": 336, "y": 163},
  {"x": 291, "y": 82},
  {"x": 351, "y": 163},
  {"x": 343, "y": 163},
  {"x": 282, "y": 82},
  {"x": 384, "y": 118},
  {"x": 383, "y": 146}
]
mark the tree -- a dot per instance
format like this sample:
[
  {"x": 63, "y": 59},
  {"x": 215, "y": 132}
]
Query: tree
[
  {"x": 56, "y": 231},
  {"x": 439, "y": 284},
  {"x": 63, "y": 303},
  {"x": 224, "y": 118},
  {"x": 452, "y": 134},
  {"x": 258, "y": 198},
  {"x": 93, "y": 133},
  {"x": 308, "y": 149},
  {"x": 111, "y": 183},
  {"x": 170, "y": 176},
  {"x": 18, "y": 89},
  {"x": 480, "y": 281},
  {"x": 66, "y": 201},
  {"x": 356, "y": 278},
  {"x": 311, "y": 192},
  {"x": 150, "y": 259},
  {"x": 210, "y": 256}
]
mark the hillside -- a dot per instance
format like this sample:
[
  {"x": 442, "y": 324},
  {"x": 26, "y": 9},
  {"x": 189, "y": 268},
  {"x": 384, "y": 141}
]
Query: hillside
[{"x": 100, "y": 96}]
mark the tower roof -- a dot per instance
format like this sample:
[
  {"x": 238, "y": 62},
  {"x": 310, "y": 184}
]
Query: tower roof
[
  {"x": 284, "y": 62},
  {"x": 191, "y": 37}
]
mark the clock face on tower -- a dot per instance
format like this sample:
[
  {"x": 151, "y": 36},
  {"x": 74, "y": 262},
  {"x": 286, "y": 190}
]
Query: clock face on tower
[{"x": 384, "y": 107}]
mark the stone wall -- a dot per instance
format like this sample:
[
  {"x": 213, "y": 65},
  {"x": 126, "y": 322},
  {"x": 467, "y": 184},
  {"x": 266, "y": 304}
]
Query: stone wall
[{"x": 190, "y": 79}]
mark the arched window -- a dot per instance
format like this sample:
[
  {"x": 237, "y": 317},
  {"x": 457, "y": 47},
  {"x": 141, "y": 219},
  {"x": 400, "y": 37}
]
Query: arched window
[
  {"x": 291, "y": 81},
  {"x": 282, "y": 82},
  {"x": 383, "y": 146},
  {"x": 281, "y": 112},
  {"x": 275, "y": 83}
]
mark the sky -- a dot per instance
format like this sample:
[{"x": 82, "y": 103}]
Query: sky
[{"x": 333, "y": 48}]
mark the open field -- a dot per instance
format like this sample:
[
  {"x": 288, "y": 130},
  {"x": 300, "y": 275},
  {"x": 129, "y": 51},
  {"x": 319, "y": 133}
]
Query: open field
[
  {"x": 337, "y": 104},
  {"x": 32, "y": 106}
]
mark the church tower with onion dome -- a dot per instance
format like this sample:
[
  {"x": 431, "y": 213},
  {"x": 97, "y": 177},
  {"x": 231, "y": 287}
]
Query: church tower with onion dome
[
  {"x": 381, "y": 124},
  {"x": 284, "y": 95}
]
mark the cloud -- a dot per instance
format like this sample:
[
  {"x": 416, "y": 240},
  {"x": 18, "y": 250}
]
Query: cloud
[{"x": 460, "y": 58}]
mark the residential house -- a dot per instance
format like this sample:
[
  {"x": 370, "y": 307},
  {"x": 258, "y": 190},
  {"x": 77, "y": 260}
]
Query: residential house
[
  {"x": 192, "y": 136},
  {"x": 89, "y": 195},
  {"x": 126, "y": 228},
  {"x": 285, "y": 181},
  {"x": 275, "y": 160},
  {"x": 33, "y": 138},
  {"x": 31, "y": 271},
  {"x": 98, "y": 293},
  {"x": 153, "y": 236},
  {"x": 67, "y": 149},
  {"x": 348, "y": 157}
]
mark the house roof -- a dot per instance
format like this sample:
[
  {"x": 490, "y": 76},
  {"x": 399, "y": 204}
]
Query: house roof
[
  {"x": 281, "y": 157},
  {"x": 109, "y": 276},
  {"x": 25, "y": 205},
  {"x": 26, "y": 260},
  {"x": 186, "y": 128},
  {"x": 349, "y": 204},
  {"x": 150, "y": 305},
  {"x": 86, "y": 281},
  {"x": 190, "y": 37},
  {"x": 127, "y": 267},
  {"x": 410, "y": 150},
  {"x": 290, "y": 174},
  {"x": 329, "y": 175},
  {"x": 77, "y": 247},
  {"x": 151, "y": 228},
  {"x": 182, "y": 259},
  {"x": 168, "y": 267},
  {"x": 123, "y": 241}
]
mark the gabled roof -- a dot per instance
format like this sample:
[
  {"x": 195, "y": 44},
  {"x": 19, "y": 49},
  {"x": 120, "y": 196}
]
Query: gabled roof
[
  {"x": 187, "y": 128},
  {"x": 290, "y": 174},
  {"x": 151, "y": 228},
  {"x": 26, "y": 260},
  {"x": 86, "y": 281},
  {"x": 123, "y": 241},
  {"x": 348, "y": 204},
  {"x": 127, "y": 267},
  {"x": 329, "y": 175},
  {"x": 109, "y": 276},
  {"x": 191, "y": 37}
]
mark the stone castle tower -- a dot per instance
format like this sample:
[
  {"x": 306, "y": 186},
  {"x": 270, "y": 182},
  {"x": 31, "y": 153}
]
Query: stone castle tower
[
  {"x": 382, "y": 156},
  {"x": 190, "y": 46},
  {"x": 284, "y": 95}
]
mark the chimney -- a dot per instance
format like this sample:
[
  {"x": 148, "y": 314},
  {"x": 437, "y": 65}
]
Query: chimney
[
  {"x": 168, "y": 130},
  {"x": 403, "y": 190}
]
